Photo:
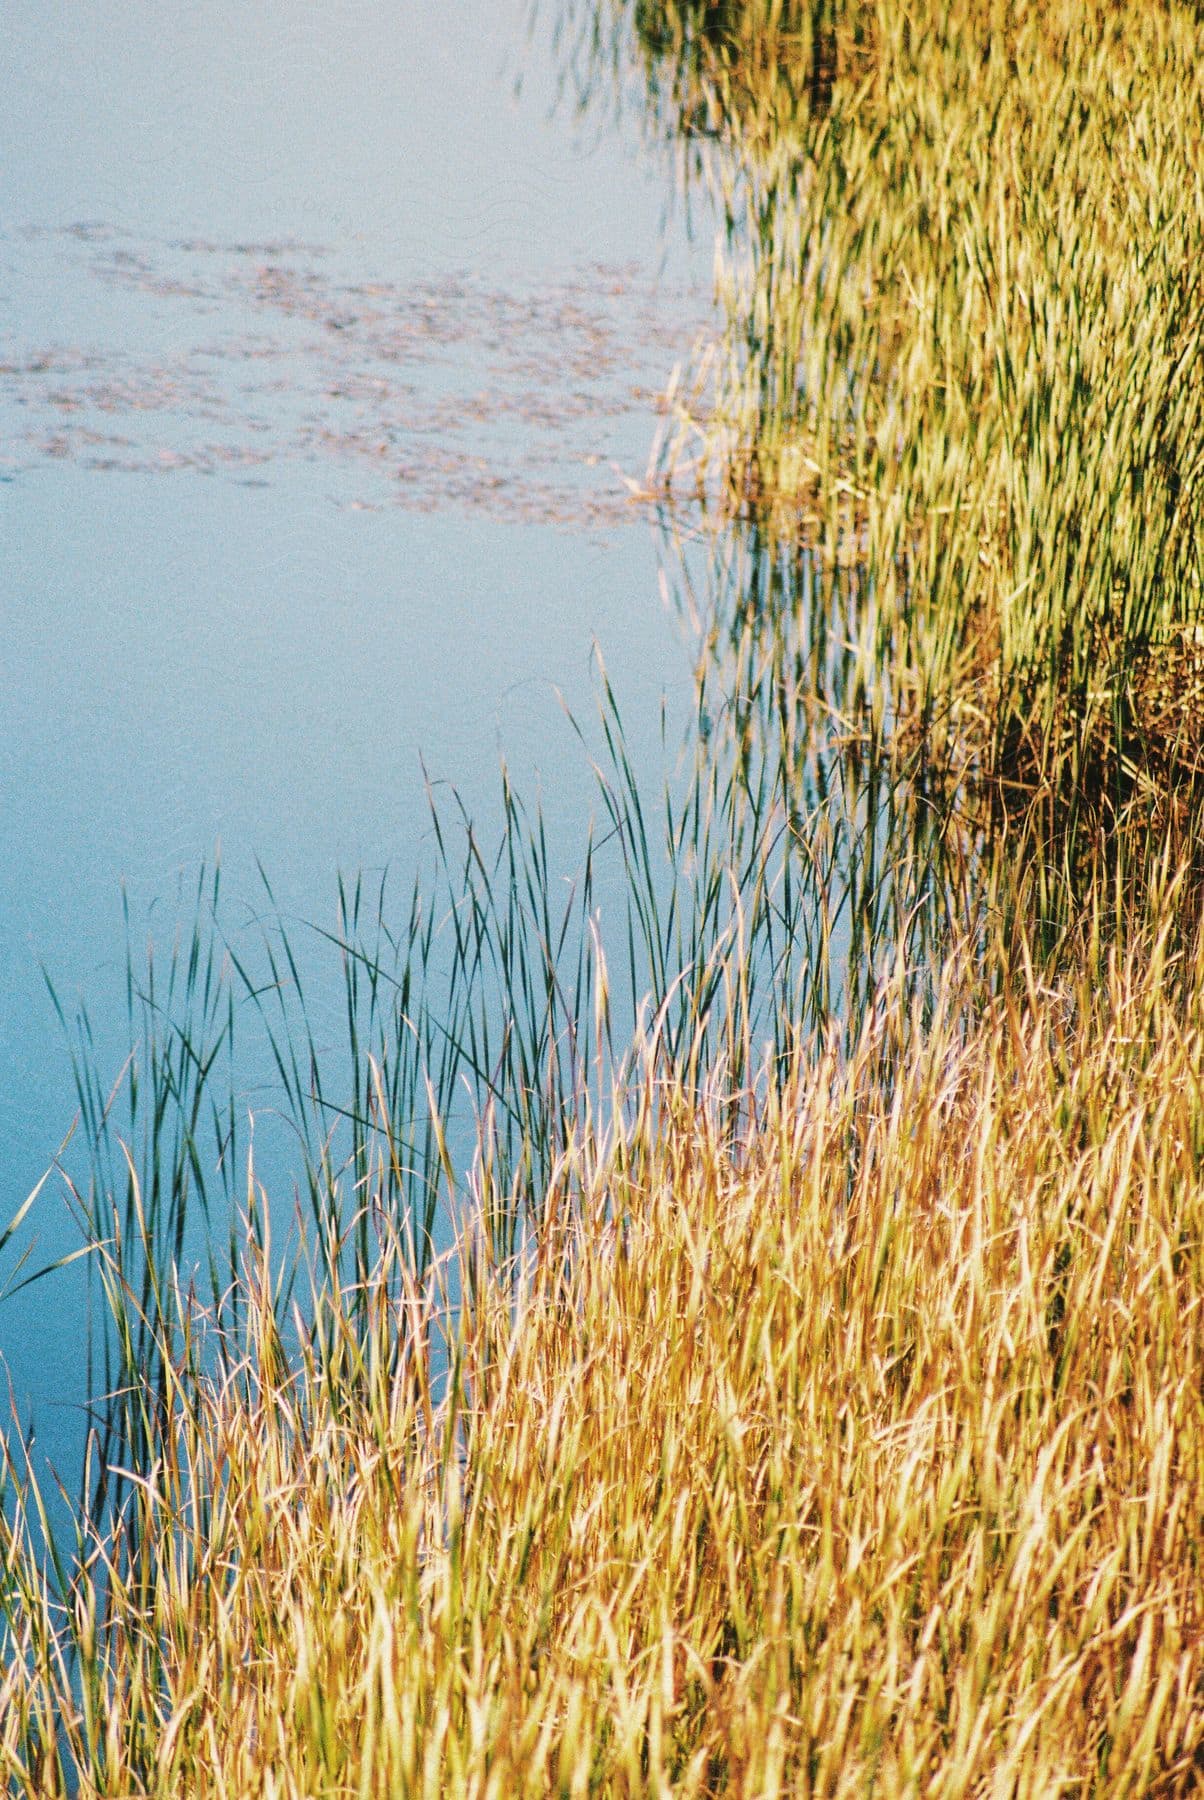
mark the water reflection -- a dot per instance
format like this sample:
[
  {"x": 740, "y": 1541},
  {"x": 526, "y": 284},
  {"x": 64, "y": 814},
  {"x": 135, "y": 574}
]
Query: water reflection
[
  {"x": 717, "y": 71},
  {"x": 796, "y": 717}
]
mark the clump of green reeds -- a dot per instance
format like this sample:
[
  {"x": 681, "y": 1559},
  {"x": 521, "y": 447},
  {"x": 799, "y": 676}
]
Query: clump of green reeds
[
  {"x": 840, "y": 1430},
  {"x": 963, "y": 359},
  {"x": 755, "y": 898}
]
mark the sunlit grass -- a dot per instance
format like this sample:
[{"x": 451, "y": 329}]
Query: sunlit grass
[
  {"x": 741, "y": 1338},
  {"x": 840, "y": 1435},
  {"x": 962, "y": 353}
]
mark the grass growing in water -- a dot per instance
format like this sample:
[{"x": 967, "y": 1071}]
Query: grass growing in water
[
  {"x": 962, "y": 353},
  {"x": 806, "y": 1402},
  {"x": 842, "y": 1433},
  {"x": 804, "y": 1406}
]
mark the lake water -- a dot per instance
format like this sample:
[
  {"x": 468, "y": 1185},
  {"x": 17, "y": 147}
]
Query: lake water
[{"x": 323, "y": 355}]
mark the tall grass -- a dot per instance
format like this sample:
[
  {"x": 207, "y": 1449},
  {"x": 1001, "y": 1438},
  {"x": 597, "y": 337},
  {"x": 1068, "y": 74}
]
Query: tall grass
[
  {"x": 539, "y": 1119},
  {"x": 842, "y": 1439},
  {"x": 755, "y": 898},
  {"x": 962, "y": 350},
  {"x": 730, "y": 1327},
  {"x": 768, "y": 1386}
]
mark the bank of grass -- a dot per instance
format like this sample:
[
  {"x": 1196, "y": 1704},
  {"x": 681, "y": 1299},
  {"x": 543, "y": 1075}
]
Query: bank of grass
[
  {"x": 839, "y": 1435},
  {"x": 811, "y": 1400}
]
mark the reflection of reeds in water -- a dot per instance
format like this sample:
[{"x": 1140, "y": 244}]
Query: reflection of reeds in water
[
  {"x": 887, "y": 846},
  {"x": 940, "y": 809},
  {"x": 708, "y": 71},
  {"x": 721, "y": 69}
]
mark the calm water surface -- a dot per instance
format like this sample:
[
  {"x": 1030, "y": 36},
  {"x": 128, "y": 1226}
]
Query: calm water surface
[{"x": 322, "y": 353}]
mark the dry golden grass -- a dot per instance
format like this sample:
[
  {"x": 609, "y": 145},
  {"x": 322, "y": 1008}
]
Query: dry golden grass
[
  {"x": 836, "y": 1434},
  {"x": 846, "y": 1442}
]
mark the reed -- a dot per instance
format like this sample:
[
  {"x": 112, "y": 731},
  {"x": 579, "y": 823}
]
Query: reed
[
  {"x": 837, "y": 1434},
  {"x": 961, "y": 355},
  {"x": 730, "y": 1327},
  {"x": 777, "y": 1377}
]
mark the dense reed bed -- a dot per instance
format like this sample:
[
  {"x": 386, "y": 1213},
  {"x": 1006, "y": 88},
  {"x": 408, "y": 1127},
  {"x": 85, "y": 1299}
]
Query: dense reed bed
[
  {"x": 839, "y": 1435},
  {"x": 962, "y": 350},
  {"x": 732, "y": 1324}
]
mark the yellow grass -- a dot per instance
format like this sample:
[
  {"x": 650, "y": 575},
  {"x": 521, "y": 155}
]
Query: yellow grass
[
  {"x": 851, "y": 1448},
  {"x": 836, "y": 1431},
  {"x": 962, "y": 347}
]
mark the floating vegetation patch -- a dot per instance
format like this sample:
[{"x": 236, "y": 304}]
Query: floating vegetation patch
[{"x": 426, "y": 393}]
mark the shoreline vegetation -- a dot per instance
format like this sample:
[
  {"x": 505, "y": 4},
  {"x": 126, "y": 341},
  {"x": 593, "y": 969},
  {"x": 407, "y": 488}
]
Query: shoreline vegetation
[
  {"x": 851, "y": 1443},
  {"x": 743, "y": 1339}
]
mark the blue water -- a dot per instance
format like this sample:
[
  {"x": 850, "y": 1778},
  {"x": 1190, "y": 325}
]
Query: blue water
[{"x": 322, "y": 353}]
